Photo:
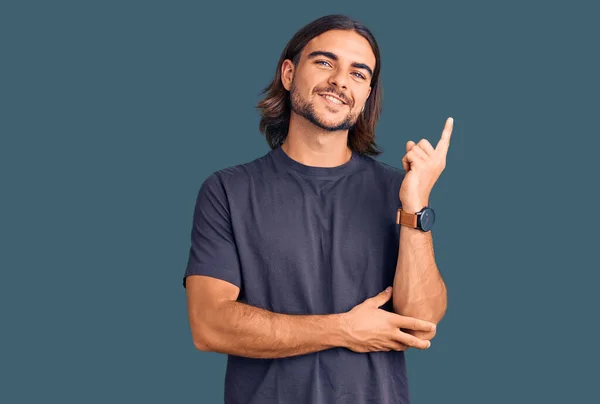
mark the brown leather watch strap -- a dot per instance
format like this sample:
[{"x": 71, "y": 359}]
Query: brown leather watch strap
[{"x": 406, "y": 219}]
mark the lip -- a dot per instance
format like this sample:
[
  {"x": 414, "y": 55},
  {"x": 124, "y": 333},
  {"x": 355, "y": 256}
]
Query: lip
[{"x": 334, "y": 96}]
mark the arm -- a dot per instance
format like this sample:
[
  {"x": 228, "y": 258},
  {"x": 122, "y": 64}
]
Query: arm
[
  {"x": 221, "y": 324},
  {"x": 218, "y": 322},
  {"x": 419, "y": 290}
]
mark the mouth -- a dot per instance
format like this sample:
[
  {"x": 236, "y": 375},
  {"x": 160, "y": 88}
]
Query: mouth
[{"x": 333, "y": 99}]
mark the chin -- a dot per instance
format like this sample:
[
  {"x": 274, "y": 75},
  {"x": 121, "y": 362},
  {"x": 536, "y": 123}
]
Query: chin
[
  {"x": 332, "y": 118},
  {"x": 333, "y": 124},
  {"x": 330, "y": 123}
]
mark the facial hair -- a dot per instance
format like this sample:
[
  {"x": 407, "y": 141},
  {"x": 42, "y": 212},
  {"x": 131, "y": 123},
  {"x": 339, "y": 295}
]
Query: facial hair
[{"x": 306, "y": 109}]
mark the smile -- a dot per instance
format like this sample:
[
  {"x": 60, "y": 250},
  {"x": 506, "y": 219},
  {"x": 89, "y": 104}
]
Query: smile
[{"x": 333, "y": 99}]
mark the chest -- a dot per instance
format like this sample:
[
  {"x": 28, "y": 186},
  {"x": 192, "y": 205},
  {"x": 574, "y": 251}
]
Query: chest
[{"x": 306, "y": 243}]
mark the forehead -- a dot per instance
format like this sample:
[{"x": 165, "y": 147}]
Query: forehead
[{"x": 349, "y": 46}]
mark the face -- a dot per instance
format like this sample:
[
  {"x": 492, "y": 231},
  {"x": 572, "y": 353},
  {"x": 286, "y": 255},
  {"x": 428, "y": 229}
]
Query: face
[{"x": 332, "y": 81}]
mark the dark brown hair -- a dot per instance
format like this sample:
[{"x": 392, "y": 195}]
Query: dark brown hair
[{"x": 275, "y": 106}]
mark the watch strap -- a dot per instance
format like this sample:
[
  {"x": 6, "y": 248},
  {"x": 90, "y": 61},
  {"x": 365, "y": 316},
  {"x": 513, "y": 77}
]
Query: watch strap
[{"x": 406, "y": 219}]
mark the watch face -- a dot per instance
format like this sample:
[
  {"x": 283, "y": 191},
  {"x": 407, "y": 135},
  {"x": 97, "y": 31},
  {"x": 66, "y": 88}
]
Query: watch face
[{"x": 427, "y": 219}]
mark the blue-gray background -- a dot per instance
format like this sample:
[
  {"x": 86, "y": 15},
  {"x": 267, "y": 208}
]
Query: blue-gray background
[{"x": 113, "y": 113}]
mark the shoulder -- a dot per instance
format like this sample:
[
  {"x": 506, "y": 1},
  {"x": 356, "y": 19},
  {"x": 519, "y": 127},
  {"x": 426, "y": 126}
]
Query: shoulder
[
  {"x": 237, "y": 176},
  {"x": 383, "y": 171},
  {"x": 383, "y": 179}
]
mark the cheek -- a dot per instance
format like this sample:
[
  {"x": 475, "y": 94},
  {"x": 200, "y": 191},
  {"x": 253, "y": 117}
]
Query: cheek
[
  {"x": 361, "y": 99},
  {"x": 310, "y": 84},
  {"x": 364, "y": 95},
  {"x": 304, "y": 89}
]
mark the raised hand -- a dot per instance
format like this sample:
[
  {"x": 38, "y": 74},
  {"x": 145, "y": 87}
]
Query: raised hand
[
  {"x": 368, "y": 328},
  {"x": 423, "y": 165}
]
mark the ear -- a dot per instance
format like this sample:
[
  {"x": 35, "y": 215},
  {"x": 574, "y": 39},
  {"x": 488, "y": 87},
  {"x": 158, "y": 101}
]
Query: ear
[
  {"x": 369, "y": 93},
  {"x": 287, "y": 74}
]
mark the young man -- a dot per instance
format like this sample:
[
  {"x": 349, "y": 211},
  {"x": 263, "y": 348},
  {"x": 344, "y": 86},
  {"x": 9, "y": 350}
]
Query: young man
[{"x": 291, "y": 253}]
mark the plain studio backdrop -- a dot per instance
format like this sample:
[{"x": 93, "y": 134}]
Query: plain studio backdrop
[{"x": 113, "y": 113}]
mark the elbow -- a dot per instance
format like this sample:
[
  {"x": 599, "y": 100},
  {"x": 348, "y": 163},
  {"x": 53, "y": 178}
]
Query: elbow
[
  {"x": 208, "y": 331},
  {"x": 199, "y": 339},
  {"x": 432, "y": 309},
  {"x": 432, "y": 313},
  {"x": 204, "y": 340},
  {"x": 202, "y": 345},
  {"x": 204, "y": 336},
  {"x": 201, "y": 342}
]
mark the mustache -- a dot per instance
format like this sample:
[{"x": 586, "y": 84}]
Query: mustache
[{"x": 334, "y": 91}]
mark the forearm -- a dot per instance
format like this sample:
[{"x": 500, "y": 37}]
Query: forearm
[
  {"x": 240, "y": 329},
  {"x": 419, "y": 290}
]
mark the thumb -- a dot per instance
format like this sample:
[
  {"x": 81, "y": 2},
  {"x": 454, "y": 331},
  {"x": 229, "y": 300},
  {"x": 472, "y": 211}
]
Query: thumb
[
  {"x": 382, "y": 297},
  {"x": 405, "y": 163}
]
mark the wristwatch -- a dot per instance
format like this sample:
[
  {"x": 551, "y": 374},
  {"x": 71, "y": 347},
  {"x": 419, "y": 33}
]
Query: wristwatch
[{"x": 422, "y": 220}]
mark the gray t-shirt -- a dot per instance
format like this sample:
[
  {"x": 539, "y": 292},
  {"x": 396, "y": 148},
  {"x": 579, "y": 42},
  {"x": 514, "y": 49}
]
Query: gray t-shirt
[{"x": 304, "y": 240}]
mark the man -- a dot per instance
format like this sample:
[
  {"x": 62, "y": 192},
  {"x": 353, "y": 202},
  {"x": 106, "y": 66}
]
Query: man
[{"x": 291, "y": 253}]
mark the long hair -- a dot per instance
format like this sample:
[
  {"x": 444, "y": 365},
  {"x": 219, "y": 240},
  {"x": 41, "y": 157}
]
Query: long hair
[{"x": 275, "y": 107}]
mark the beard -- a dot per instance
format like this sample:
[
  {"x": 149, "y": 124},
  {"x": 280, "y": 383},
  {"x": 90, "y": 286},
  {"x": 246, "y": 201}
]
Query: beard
[{"x": 306, "y": 110}]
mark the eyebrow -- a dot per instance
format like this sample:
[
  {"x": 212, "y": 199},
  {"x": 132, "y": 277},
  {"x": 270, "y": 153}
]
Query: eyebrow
[{"x": 333, "y": 56}]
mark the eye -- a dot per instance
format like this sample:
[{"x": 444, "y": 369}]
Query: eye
[
  {"x": 359, "y": 75},
  {"x": 323, "y": 63}
]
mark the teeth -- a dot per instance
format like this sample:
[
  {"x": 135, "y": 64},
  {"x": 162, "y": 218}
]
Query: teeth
[{"x": 334, "y": 100}]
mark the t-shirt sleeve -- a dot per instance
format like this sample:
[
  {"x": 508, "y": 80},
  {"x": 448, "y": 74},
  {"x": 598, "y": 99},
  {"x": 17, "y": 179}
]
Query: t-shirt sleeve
[{"x": 213, "y": 250}]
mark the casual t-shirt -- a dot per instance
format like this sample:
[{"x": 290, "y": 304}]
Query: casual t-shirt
[{"x": 298, "y": 239}]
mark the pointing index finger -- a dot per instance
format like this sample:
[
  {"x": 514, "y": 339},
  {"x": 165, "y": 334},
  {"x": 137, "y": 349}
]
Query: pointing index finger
[{"x": 444, "y": 141}]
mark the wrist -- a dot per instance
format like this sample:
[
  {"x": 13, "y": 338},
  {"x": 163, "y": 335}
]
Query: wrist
[
  {"x": 413, "y": 207},
  {"x": 342, "y": 330},
  {"x": 416, "y": 217}
]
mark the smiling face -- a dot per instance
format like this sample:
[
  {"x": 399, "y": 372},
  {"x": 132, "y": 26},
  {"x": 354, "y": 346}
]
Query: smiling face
[{"x": 332, "y": 81}]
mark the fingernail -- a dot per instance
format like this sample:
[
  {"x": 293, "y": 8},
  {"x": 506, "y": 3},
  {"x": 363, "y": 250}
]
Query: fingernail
[
  {"x": 428, "y": 344},
  {"x": 388, "y": 289},
  {"x": 433, "y": 327}
]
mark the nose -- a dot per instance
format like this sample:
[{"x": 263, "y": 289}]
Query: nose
[{"x": 338, "y": 79}]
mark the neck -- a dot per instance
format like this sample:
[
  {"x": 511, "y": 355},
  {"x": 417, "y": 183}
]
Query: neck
[{"x": 316, "y": 147}]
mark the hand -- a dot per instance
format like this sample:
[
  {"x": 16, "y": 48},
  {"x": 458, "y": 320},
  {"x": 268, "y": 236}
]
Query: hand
[
  {"x": 423, "y": 165},
  {"x": 369, "y": 328}
]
